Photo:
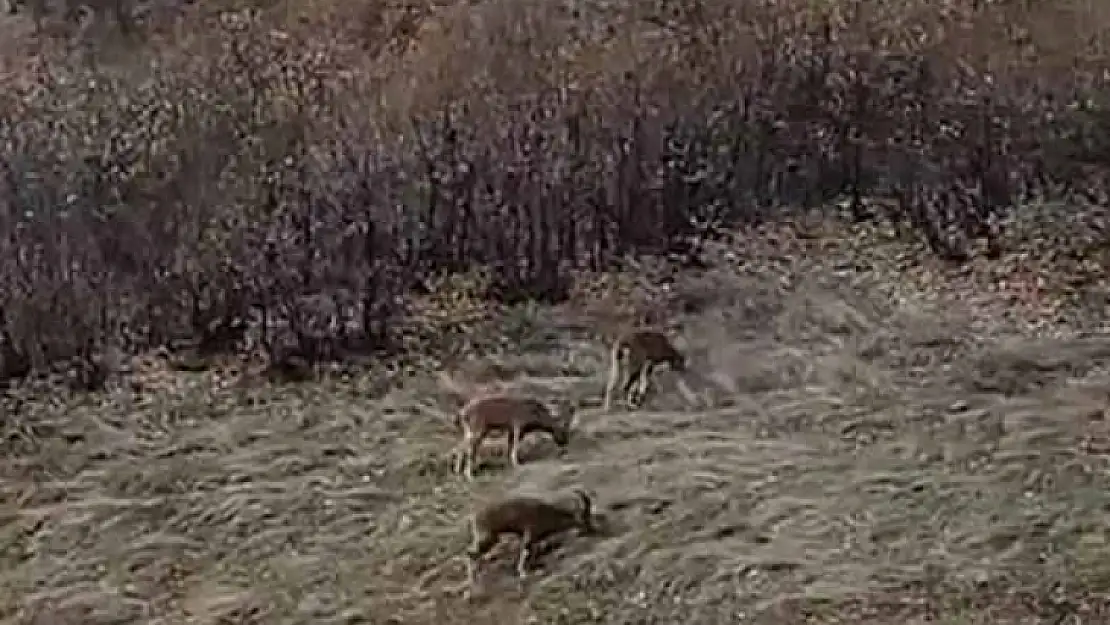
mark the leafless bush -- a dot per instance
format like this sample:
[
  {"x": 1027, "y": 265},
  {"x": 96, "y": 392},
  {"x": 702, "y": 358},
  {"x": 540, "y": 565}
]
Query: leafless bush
[{"x": 239, "y": 193}]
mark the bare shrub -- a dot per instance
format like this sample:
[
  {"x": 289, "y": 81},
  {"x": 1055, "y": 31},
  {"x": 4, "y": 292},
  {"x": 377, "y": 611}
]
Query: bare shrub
[{"x": 252, "y": 186}]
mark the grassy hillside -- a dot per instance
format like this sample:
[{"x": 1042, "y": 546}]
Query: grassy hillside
[
  {"x": 832, "y": 457},
  {"x": 877, "y": 229}
]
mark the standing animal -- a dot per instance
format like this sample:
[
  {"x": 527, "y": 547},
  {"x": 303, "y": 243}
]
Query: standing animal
[
  {"x": 531, "y": 519},
  {"x": 634, "y": 358},
  {"x": 516, "y": 416}
]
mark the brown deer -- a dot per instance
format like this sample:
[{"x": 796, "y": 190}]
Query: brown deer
[
  {"x": 529, "y": 518},
  {"x": 634, "y": 358},
  {"x": 516, "y": 416}
]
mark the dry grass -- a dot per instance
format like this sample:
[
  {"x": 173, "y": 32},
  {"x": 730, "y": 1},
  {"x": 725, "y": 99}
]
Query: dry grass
[{"x": 834, "y": 459}]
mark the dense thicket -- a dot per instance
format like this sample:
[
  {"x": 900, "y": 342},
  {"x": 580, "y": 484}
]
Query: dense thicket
[{"x": 244, "y": 178}]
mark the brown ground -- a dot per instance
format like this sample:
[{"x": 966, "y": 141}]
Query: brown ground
[{"x": 835, "y": 457}]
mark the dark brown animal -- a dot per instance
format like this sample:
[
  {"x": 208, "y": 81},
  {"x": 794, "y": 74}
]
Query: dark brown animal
[
  {"x": 531, "y": 519},
  {"x": 515, "y": 415},
  {"x": 635, "y": 356}
]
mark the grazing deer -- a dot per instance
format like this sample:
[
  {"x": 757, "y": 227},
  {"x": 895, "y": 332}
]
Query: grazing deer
[
  {"x": 531, "y": 519},
  {"x": 515, "y": 415},
  {"x": 634, "y": 358}
]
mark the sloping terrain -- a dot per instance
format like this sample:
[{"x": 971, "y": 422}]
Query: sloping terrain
[
  {"x": 830, "y": 458},
  {"x": 841, "y": 451}
]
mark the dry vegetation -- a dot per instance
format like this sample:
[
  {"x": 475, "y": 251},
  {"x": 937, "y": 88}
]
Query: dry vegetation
[
  {"x": 837, "y": 459},
  {"x": 875, "y": 227}
]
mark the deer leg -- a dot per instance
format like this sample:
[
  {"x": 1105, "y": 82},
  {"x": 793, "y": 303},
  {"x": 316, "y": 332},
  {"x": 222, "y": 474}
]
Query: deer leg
[
  {"x": 632, "y": 385},
  {"x": 614, "y": 379},
  {"x": 457, "y": 458},
  {"x": 644, "y": 383},
  {"x": 480, "y": 548},
  {"x": 524, "y": 556},
  {"x": 472, "y": 454},
  {"x": 461, "y": 455},
  {"x": 514, "y": 446}
]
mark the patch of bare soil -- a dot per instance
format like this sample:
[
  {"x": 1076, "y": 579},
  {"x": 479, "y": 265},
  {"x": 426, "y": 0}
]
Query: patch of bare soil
[{"x": 834, "y": 456}]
